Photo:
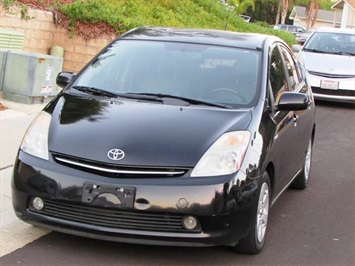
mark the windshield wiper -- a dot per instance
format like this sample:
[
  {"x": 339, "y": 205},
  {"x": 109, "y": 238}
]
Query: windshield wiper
[
  {"x": 156, "y": 97},
  {"x": 328, "y": 52},
  {"x": 184, "y": 99},
  {"x": 95, "y": 91},
  {"x": 342, "y": 53},
  {"x": 313, "y": 50},
  {"x": 100, "y": 92},
  {"x": 138, "y": 96}
]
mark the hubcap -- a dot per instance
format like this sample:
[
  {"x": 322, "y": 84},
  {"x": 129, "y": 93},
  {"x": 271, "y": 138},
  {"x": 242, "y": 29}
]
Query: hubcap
[
  {"x": 307, "y": 163},
  {"x": 263, "y": 212}
]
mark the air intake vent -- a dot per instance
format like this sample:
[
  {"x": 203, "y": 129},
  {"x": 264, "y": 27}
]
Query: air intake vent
[
  {"x": 11, "y": 40},
  {"x": 112, "y": 218}
]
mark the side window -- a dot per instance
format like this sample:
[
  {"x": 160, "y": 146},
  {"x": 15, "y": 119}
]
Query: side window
[
  {"x": 298, "y": 66},
  {"x": 291, "y": 29},
  {"x": 277, "y": 76},
  {"x": 291, "y": 68}
]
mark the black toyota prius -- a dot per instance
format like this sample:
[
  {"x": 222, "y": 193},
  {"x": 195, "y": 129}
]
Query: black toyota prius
[{"x": 169, "y": 136}]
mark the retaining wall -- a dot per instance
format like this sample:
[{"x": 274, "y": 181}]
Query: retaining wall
[{"x": 41, "y": 33}]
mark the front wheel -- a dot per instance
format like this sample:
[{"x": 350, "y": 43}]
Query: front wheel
[{"x": 255, "y": 240}]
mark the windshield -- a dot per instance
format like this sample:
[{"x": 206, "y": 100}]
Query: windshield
[
  {"x": 331, "y": 43},
  {"x": 201, "y": 72}
]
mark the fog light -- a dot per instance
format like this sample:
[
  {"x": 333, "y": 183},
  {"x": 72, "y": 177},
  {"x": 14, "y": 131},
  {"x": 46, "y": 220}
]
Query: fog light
[
  {"x": 37, "y": 203},
  {"x": 190, "y": 222}
]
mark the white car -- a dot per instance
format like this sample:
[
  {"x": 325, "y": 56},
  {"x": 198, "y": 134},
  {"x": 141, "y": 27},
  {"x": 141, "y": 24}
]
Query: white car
[{"x": 329, "y": 59}]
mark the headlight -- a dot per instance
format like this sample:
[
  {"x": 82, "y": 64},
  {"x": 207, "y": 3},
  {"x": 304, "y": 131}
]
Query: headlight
[
  {"x": 225, "y": 156},
  {"x": 35, "y": 141}
]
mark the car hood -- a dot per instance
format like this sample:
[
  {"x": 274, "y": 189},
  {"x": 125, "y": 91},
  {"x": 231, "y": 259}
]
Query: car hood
[
  {"x": 150, "y": 134},
  {"x": 328, "y": 63}
]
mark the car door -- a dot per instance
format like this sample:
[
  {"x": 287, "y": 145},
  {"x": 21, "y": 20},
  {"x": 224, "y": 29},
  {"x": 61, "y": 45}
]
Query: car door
[
  {"x": 302, "y": 119},
  {"x": 285, "y": 143}
]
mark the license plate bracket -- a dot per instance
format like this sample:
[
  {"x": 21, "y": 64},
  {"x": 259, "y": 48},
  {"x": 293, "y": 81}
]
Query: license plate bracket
[
  {"x": 108, "y": 195},
  {"x": 329, "y": 84}
]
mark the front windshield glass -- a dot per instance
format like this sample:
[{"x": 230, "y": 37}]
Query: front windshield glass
[
  {"x": 332, "y": 43},
  {"x": 202, "y": 72}
]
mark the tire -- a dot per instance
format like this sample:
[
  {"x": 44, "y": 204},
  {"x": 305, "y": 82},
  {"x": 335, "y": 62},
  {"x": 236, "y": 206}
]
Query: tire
[
  {"x": 255, "y": 240},
  {"x": 301, "y": 181}
]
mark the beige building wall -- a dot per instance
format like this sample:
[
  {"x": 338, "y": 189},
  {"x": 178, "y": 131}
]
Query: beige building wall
[
  {"x": 41, "y": 34},
  {"x": 349, "y": 17}
]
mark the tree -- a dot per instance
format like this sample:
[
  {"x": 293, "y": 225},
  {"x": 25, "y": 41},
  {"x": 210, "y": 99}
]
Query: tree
[
  {"x": 264, "y": 11},
  {"x": 282, "y": 11},
  {"x": 270, "y": 11},
  {"x": 312, "y": 7}
]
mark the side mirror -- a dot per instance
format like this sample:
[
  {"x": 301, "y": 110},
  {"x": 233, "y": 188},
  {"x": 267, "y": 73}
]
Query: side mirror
[
  {"x": 296, "y": 48},
  {"x": 64, "y": 78},
  {"x": 293, "y": 101}
]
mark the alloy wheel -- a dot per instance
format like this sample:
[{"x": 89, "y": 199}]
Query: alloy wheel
[
  {"x": 307, "y": 164},
  {"x": 263, "y": 212}
]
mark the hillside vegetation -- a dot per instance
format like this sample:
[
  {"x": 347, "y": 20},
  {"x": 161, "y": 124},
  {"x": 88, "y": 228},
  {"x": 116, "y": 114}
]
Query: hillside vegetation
[{"x": 83, "y": 16}]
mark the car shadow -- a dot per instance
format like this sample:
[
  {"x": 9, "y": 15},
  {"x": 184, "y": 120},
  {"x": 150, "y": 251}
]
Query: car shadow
[{"x": 335, "y": 104}]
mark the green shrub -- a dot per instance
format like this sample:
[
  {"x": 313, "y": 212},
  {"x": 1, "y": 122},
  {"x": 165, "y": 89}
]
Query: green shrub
[{"x": 123, "y": 15}]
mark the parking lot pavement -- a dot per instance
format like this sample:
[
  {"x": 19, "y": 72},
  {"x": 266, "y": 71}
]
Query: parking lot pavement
[{"x": 13, "y": 124}]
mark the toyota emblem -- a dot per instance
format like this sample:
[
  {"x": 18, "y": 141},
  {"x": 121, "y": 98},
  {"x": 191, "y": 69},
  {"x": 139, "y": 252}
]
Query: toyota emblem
[{"x": 115, "y": 154}]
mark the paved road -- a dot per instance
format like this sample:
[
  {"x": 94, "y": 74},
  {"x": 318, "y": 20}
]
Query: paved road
[{"x": 310, "y": 227}]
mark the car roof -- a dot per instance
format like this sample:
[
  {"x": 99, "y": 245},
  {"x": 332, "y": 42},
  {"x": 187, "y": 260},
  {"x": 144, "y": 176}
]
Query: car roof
[
  {"x": 201, "y": 36},
  {"x": 289, "y": 25},
  {"x": 336, "y": 30}
]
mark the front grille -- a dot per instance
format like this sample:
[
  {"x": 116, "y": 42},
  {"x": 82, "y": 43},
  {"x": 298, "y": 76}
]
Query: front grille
[
  {"x": 112, "y": 218},
  {"x": 121, "y": 171},
  {"x": 327, "y": 75},
  {"x": 318, "y": 90}
]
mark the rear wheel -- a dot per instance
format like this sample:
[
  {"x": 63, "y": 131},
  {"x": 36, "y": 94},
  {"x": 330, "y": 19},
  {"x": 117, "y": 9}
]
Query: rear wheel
[
  {"x": 255, "y": 240},
  {"x": 301, "y": 181}
]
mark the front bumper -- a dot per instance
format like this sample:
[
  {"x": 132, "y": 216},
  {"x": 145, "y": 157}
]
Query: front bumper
[
  {"x": 344, "y": 93},
  {"x": 224, "y": 206}
]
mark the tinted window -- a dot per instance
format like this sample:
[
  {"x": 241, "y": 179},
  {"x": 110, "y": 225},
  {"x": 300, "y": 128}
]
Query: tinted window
[
  {"x": 277, "y": 76},
  {"x": 291, "y": 28},
  {"x": 291, "y": 68}
]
